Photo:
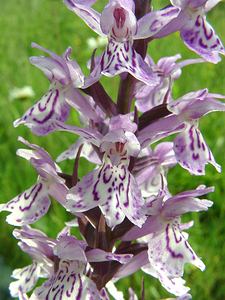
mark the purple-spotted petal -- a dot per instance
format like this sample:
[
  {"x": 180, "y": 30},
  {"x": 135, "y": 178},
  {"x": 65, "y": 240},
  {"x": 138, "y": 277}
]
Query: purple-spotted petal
[
  {"x": 26, "y": 279},
  {"x": 68, "y": 283},
  {"x": 154, "y": 21},
  {"x": 174, "y": 285},
  {"x": 86, "y": 13},
  {"x": 187, "y": 202},
  {"x": 192, "y": 152},
  {"x": 114, "y": 190},
  {"x": 86, "y": 194},
  {"x": 200, "y": 37},
  {"x": 120, "y": 57},
  {"x": 52, "y": 106},
  {"x": 104, "y": 295},
  {"x": 29, "y": 206},
  {"x": 169, "y": 250}
]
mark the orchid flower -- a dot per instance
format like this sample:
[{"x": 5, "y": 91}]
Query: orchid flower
[
  {"x": 163, "y": 231},
  {"x": 197, "y": 34},
  {"x": 65, "y": 77},
  {"x": 111, "y": 186},
  {"x": 190, "y": 148},
  {"x": 119, "y": 24},
  {"x": 151, "y": 166},
  {"x": 55, "y": 258},
  {"x": 33, "y": 203},
  {"x": 170, "y": 70}
]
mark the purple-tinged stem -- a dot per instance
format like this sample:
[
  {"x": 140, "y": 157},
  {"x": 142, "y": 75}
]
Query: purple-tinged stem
[
  {"x": 76, "y": 165},
  {"x": 153, "y": 115},
  {"x": 127, "y": 85},
  {"x": 102, "y": 99},
  {"x": 68, "y": 179}
]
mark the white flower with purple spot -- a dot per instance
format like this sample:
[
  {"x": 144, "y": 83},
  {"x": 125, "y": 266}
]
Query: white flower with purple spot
[{"x": 119, "y": 24}]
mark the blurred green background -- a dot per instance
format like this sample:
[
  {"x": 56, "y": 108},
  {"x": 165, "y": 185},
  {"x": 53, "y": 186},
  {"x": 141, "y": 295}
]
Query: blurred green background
[{"x": 49, "y": 23}]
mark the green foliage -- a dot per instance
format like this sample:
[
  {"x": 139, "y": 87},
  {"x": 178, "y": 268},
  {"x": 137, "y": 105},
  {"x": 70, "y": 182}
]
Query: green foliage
[{"x": 50, "y": 24}]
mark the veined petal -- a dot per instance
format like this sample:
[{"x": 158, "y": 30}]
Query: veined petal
[
  {"x": 85, "y": 195},
  {"x": 114, "y": 190},
  {"x": 22, "y": 296},
  {"x": 153, "y": 22},
  {"x": 35, "y": 154},
  {"x": 120, "y": 57},
  {"x": 194, "y": 105},
  {"x": 58, "y": 68},
  {"x": 91, "y": 135},
  {"x": 68, "y": 247},
  {"x": 132, "y": 202},
  {"x": 192, "y": 152},
  {"x": 186, "y": 202},
  {"x": 26, "y": 279},
  {"x": 200, "y": 37},
  {"x": 169, "y": 250},
  {"x": 37, "y": 245},
  {"x": 99, "y": 255},
  {"x": 160, "y": 129},
  {"x": 175, "y": 286},
  {"x": 86, "y": 13},
  {"x": 68, "y": 283},
  {"x": 104, "y": 295},
  {"x": 52, "y": 106},
  {"x": 86, "y": 152},
  {"x": 29, "y": 206},
  {"x": 82, "y": 104},
  {"x": 52, "y": 69},
  {"x": 133, "y": 265}
]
